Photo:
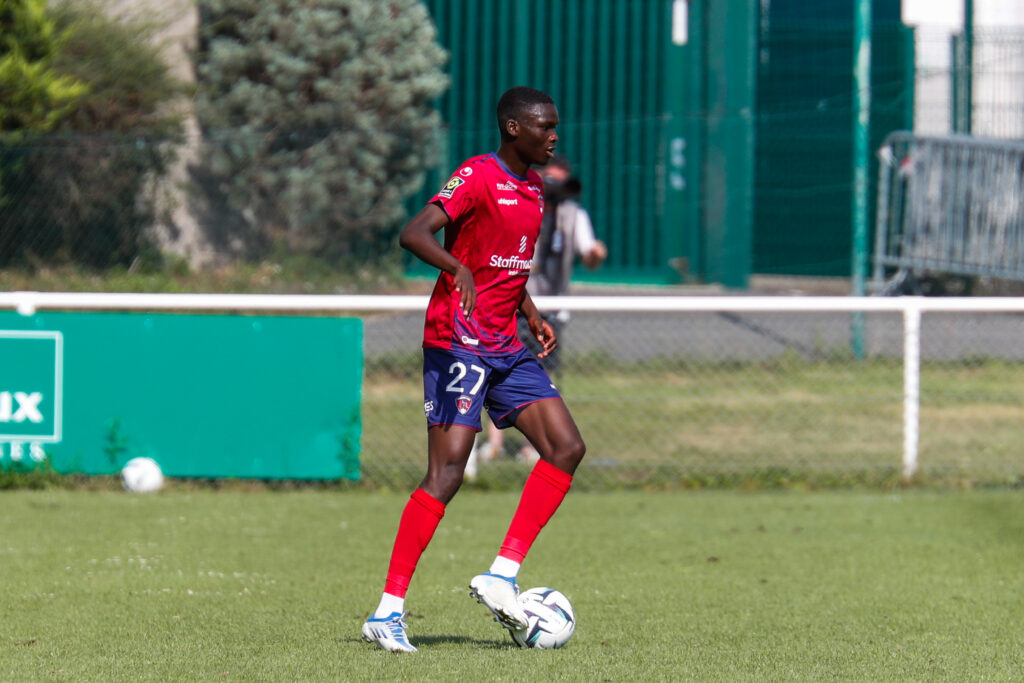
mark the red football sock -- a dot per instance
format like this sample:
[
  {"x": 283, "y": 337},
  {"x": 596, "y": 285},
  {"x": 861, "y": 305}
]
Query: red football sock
[
  {"x": 543, "y": 493},
  {"x": 419, "y": 520}
]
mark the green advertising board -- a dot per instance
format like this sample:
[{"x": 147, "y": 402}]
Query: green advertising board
[{"x": 263, "y": 397}]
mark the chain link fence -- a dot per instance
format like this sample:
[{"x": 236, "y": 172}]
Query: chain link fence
[
  {"x": 739, "y": 399},
  {"x": 89, "y": 200},
  {"x": 706, "y": 391}
]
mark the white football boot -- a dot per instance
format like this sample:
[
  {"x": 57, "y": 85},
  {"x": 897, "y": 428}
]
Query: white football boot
[
  {"x": 388, "y": 632},
  {"x": 499, "y": 594}
]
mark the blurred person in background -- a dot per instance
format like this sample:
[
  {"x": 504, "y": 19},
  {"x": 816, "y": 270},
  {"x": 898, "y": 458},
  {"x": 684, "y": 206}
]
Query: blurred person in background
[
  {"x": 566, "y": 232},
  {"x": 491, "y": 212}
]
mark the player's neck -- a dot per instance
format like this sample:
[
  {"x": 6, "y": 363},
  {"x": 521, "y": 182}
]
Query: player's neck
[{"x": 512, "y": 162}]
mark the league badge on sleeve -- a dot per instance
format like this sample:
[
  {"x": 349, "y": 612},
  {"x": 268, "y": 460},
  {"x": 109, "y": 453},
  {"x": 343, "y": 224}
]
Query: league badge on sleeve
[{"x": 448, "y": 190}]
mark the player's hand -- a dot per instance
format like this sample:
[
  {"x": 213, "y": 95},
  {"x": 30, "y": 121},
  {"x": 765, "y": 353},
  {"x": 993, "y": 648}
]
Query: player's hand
[
  {"x": 465, "y": 286},
  {"x": 545, "y": 335}
]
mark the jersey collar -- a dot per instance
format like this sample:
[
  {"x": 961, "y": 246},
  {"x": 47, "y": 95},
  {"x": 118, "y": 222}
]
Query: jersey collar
[{"x": 497, "y": 159}]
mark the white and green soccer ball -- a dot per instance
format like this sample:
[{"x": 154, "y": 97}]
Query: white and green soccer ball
[
  {"x": 142, "y": 475},
  {"x": 550, "y": 616}
]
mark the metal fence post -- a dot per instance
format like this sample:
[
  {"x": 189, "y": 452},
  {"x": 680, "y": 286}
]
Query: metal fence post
[
  {"x": 911, "y": 385},
  {"x": 861, "y": 132}
]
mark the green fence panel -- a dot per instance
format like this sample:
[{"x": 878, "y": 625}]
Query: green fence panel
[
  {"x": 262, "y": 397},
  {"x": 727, "y": 179},
  {"x": 706, "y": 153},
  {"x": 804, "y": 142},
  {"x": 609, "y": 67}
]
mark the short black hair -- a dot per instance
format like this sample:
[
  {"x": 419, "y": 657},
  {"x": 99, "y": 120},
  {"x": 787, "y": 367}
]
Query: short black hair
[{"x": 516, "y": 100}]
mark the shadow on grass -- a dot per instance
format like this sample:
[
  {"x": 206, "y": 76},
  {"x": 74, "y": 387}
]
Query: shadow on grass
[{"x": 436, "y": 640}]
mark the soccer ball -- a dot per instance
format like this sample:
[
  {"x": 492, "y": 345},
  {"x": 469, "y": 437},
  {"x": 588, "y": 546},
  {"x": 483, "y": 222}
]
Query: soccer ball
[
  {"x": 551, "y": 618},
  {"x": 142, "y": 475}
]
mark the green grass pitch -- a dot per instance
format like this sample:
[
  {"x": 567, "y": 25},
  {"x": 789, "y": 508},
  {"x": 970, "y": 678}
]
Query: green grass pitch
[{"x": 243, "y": 584}]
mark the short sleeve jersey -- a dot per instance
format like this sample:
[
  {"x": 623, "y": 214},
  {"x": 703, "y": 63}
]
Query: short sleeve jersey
[{"x": 495, "y": 221}]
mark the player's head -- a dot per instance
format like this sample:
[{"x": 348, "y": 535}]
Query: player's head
[
  {"x": 527, "y": 118},
  {"x": 515, "y": 101}
]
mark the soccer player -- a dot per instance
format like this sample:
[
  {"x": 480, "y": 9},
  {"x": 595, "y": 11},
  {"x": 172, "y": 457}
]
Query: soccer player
[{"x": 490, "y": 211}]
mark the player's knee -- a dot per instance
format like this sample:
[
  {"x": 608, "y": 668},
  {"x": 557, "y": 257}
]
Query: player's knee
[
  {"x": 451, "y": 480},
  {"x": 569, "y": 454},
  {"x": 577, "y": 449},
  {"x": 444, "y": 483}
]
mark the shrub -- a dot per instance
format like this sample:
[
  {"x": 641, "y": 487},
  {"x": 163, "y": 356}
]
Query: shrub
[{"x": 82, "y": 191}]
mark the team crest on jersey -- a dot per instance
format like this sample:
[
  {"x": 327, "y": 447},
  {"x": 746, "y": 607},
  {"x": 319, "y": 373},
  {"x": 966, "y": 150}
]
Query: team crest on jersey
[
  {"x": 448, "y": 190},
  {"x": 463, "y": 403}
]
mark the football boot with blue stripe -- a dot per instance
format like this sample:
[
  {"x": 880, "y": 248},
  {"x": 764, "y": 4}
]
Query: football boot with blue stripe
[
  {"x": 388, "y": 632},
  {"x": 500, "y": 594}
]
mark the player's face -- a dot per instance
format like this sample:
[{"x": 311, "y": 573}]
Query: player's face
[{"x": 537, "y": 137}]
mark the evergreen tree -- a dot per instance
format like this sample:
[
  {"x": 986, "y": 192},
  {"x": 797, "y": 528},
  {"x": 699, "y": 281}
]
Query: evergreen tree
[{"x": 320, "y": 115}]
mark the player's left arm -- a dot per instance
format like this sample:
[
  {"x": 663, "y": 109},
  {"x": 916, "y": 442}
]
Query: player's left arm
[{"x": 539, "y": 328}]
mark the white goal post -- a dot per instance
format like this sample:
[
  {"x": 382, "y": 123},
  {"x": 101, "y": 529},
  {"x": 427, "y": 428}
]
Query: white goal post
[{"x": 912, "y": 308}]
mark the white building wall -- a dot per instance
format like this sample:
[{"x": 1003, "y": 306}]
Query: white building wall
[{"x": 999, "y": 67}]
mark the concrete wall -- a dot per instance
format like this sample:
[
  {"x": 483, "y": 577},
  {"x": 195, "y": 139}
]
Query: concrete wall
[{"x": 189, "y": 222}]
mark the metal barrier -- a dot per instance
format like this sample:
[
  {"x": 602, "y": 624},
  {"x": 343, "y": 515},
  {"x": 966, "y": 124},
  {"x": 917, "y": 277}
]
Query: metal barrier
[{"x": 948, "y": 206}]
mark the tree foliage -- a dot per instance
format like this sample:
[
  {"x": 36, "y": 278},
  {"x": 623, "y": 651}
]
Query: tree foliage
[
  {"x": 82, "y": 192},
  {"x": 34, "y": 96},
  {"x": 320, "y": 114}
]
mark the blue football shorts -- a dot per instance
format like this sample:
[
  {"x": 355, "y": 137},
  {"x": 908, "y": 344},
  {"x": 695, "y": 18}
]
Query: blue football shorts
[{"x": 457, "y": 386}]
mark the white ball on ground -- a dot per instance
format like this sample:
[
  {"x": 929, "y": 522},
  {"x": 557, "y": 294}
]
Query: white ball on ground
[
  {"x": 142, "y": 475},
  {"x": 551, "y": 618}
]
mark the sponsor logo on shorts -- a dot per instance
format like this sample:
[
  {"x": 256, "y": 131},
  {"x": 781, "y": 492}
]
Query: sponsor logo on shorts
[
  {"x": 463, "y": 403},
  {"x": 448, "y": 190},
  {"x": 470, "y": 341},
  {"x": 428, "y": 407},
  {"x": 508, "y": 202}
]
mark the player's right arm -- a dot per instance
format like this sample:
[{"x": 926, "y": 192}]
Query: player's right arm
[
  {"x": 541, "y": 329},
  {"x": 418, "y": 239}
]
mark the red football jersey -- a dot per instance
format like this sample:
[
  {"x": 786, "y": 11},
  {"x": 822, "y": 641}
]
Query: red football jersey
[{"x": 495, "y": 220}]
